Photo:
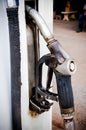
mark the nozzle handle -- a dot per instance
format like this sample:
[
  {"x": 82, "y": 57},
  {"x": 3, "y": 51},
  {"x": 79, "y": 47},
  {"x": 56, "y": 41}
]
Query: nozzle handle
[{"x": 65, "y": 93}]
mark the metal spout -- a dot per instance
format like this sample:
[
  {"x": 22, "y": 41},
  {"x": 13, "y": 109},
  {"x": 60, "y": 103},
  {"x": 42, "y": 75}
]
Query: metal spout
[{"x": 69, "y": 124}]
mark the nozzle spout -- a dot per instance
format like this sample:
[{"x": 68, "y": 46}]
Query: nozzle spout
[{"x": 69, "y": 124}]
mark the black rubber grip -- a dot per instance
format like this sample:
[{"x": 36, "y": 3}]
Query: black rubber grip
[{"x": 65, "y": 93}]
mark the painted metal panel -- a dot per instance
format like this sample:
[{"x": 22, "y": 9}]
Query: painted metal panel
[
  {"x": 46, "y": 11},
  {"x": 11, "y": 3},
  {"x": 42, "y": 121},
  {"x": 5, "y": 82}
]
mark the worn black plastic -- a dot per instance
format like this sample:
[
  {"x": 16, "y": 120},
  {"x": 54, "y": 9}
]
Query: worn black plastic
[{"x": 65, "y": 93}]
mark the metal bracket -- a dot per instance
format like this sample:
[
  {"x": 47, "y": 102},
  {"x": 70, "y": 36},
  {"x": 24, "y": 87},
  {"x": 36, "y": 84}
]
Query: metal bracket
[{"x": 40, "y": 99}]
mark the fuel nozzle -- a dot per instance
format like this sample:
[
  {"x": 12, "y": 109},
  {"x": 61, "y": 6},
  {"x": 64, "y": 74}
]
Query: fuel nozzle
[
  {"x": 66, "y": 100},
  {"x": 63, "y": 66}
]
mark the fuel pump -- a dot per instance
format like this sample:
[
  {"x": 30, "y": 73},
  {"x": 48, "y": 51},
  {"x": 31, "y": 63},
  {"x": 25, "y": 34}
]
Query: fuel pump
[{"x": 59, "y": 63}]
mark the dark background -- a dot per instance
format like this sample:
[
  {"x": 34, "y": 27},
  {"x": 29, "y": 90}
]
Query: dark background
[{"x": 59, "y": 5}]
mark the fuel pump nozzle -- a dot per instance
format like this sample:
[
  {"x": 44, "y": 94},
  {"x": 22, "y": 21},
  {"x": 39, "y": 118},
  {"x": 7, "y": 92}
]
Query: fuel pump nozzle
[{"x": 59, "y": 63}]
